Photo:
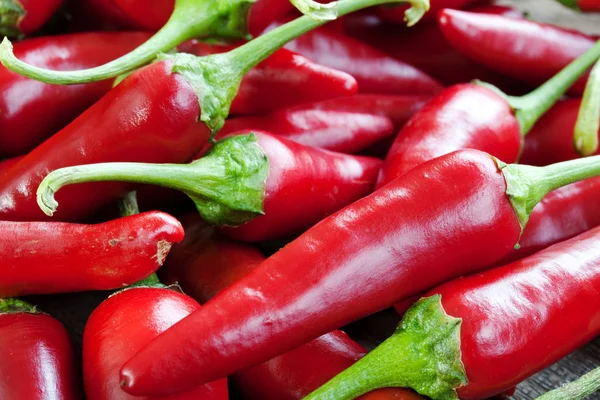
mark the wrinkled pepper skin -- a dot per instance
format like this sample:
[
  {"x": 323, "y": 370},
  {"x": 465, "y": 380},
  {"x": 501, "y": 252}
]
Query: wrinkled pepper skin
[
  {"x": 38, "y": 361},
  {"x": 31, "y": 111},
  {"x": 122, "y": 325},
  {"x": 43, "y": 257},
  {"x": 519, "y": 48},
  {"x": 205, "y": 264},
  {"x": 321, "y": 281},
  {"x": 520, "y": 318},
  {"x": 284, "y": 79},
  {"x": 35, "y": 14},
  {"x": 396, "y": 14},
  {"x": 304, "y": 186},
  {"x": 448, "y": 123},
  {"x": 150, "y": 117}
]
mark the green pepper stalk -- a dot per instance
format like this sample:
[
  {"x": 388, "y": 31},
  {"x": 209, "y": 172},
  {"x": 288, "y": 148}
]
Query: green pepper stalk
[
  {"x": 577, "y": 390},
  {"x": 588, "y": 120}
]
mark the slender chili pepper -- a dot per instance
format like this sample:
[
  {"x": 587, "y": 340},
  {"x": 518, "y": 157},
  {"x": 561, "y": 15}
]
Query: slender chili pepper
[
  {"x": 577, "y": 390},
  {"x": 396, "y": 14},
  {"x": 205, "y": 264},
  {"x": 582, "y": 5},
  {"x": 31, "y": 111},
  {"x": 523, "y": 49},
  {"x": 282, "y": 80},
  {"x": 38, "y": 361},
  {"x": 480, "y": 335},
  {"x": 588, "y": 121},
  {"x": 448, "y": 123},
  {"x": 24, "y": 17},
  {"x": 412, "y": 234}
]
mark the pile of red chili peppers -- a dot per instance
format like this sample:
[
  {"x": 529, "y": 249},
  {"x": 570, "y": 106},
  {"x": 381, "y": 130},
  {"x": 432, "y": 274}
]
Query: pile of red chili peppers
[{"x": 251, "y": 178}]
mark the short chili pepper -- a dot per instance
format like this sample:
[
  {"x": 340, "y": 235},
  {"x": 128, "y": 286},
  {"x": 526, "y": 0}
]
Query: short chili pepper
[
  {"x": 24, "y": 17},
  {"x": 448, "y": 123},
  {"x": 38, "y": 361},
  {"x": 289, "y": 186},
  {"x": 125, "y": 323},
  {"x": 582, "y": 5},
  {"x": 396, "y": 14},
  {"x": 576, "y": 390},
  {"x": 410, "y": 235},
  {"x": 31, "y": 111},
  {"x": 480, "y": 335},
  {"x": 43, "y": 257},
  {"x": 204, "y": 264},
  {"x": 523, "y": 49}
]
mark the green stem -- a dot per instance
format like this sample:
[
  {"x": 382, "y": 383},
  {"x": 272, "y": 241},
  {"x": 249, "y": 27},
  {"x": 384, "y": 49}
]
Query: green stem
[
  {"x": 11, "y": 306},
  {"x": 588, "y": 121},
  {"x": 577, "y": 390},
  {"x": 190, "y": 19},
  {"x": 11, "y": 12},
  {"x": 531, "y": 107},
  {"x": 128, "y": 205},
  {"x": 227, "y": 185}
]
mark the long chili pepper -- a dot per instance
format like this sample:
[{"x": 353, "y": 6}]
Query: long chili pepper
[
  {"x": 190, "y": 19},
  {"x": 448, "y": 123},
  {"x": 582, "y": 5},
  {"x": 576, "y": 390},
  {"x": 31, "y": 111},
  {"x": 38, "y": 360},
  {"x": 287, "y": 187},
  {"x": 585, "y": 138},
  {"x": 205, "y": 264},
  {"x": 24, "y": 17},
  {"x": 523, "y": 49},
  {"x": 412, "y": 234},
  {"x": 395, "y": 14},
  {"x": 478, "y": 336}
]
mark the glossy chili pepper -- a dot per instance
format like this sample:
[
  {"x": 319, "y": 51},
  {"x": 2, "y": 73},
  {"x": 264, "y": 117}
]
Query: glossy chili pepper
[
  {"x": 396, "y": 14},
  {"x": 523, "y": 49},
  {"x": 125, "y": 323},
  {"x": 448, "y": 123},
  {"x": 441, "y": 60},
  {"x": 282, "y": 80},
  {"x": 38, "y": 361},
  {"x": 24, "y": 17},
  {"x": 414, "y": 233},
  {"x": 31, "y": 111},
  {"x": 205, "y": 264},
  {"x": 483, "y": 334},
  {"x": 582, "y": 5}
]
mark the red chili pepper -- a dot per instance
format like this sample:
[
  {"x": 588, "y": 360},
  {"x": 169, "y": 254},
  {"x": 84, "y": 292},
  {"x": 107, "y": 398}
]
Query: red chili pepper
[
  {"x": 414, "y": 233},
  {"x": 31, "y": 111},
  {"x": 38, "y": 360},
  {"x": 481, "y": 335},
  {"x": 582, "y": 5},
  {"x": 448, "y": 123},
  {"x": 24, "y": 17},
  {"x": 146, "y": 15},
  {"x": 523, "y": 49},
  {"x": 396, "y": 14},
  {"x": 123, "y": 324},
  {"x": 205, "y": 264}
]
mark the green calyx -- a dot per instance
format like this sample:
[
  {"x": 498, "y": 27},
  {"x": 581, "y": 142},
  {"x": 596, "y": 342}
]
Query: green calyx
[
  {"x": 15, "y": 306},
  {"x": 577, "y": 390},
  {"x": 11, "y": 13},
  {"x": 585, "y": 137},
  {"x": 423, "y": 354},
  {"x": 227, "y": 184}
]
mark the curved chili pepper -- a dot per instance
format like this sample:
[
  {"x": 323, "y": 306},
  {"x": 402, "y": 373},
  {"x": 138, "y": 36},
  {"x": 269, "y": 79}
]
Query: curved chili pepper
[
  {"x": 205, "y": 264},
  {"x": 414, "y": 233},
  {"x": 396, "y": 14},
  {"x": 37, "y": 356},
  {"x": 448, "y": 123},
  {"x": 24, "y": 17},
  {"x": 125, "y": 323},
  {"x": 31, "y": 111},
  {"x": 523, "y": 49},
  {"x": 582, "y": 5},
  {"x": 480, "y": 335}
]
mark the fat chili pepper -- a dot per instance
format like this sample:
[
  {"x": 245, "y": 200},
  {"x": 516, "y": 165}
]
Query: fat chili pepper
[
  {"x": 582, "y": 5},
  {"x": 31, "y": 111},
  {"x": 408, "y": 236},
  {"x": 38, "y": 360},
  {"x": 205, "y": 264},
  {"x": 523, "y": 49},
  {"x": 24, "y": 17},
  {"x": 480, "y": 335},
  {"x": 448, "y": 123}
]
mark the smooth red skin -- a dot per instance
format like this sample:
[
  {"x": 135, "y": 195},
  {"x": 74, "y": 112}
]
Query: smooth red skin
[
  {"x": 520, "y": 318},
  {"x": 396, "y": 14},
  {"x": 150, "y": 15},
  {"x": 7, "y": 164},
  {"x": 38, "y": 361},
  {"x": 54, "y": 257},
  {"x": 264, "y": 12},
  {"x": 31, "y": 111},
  {"x": 37, "y": 13},
  {"x": 150, "y": 117},
  {"x": 551, "y": 139},
  {"x": 284, "y": 79},
  {"x": 523, "y": 49},
  {"x": 589, "y": 5},
  {"x": 441, "y": 60},
  {"x": 447, "y": 123},
  {"x": 304, "y": 186},
  {"x": 375, "y": 71},
  {"x": 383, "y": 248},
  {"x": 123, "y": 324}
]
